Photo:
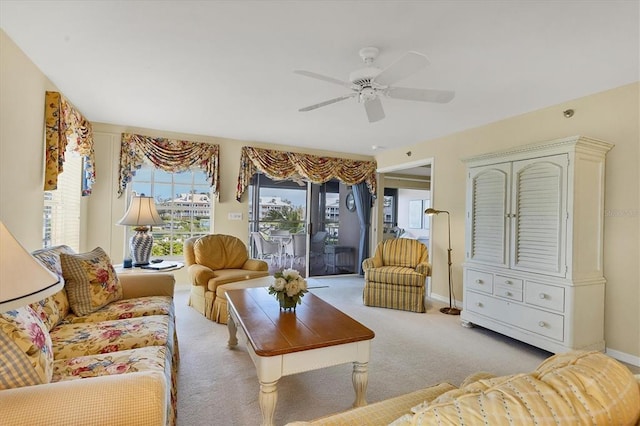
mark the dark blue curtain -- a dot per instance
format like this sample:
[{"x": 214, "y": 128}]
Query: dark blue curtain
[{"x": 362, "y": 197}]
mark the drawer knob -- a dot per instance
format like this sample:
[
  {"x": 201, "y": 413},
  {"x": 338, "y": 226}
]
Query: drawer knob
[
  {"x": 479, "y": 304},
  {"x": 509, "y": 293},
  {"x": 542, "y": 296},
  {"x": 508, "y": 282},
  {"x": 542, "y": 324},
  {"x": 478, "y": 281}
]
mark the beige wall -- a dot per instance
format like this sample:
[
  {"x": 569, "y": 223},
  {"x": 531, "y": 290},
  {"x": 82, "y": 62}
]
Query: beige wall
[{"x": 611, "y": 116}]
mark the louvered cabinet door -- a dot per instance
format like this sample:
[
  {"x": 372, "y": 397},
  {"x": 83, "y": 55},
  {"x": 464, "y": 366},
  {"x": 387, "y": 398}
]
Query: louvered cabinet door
[
  {"x": 486, "y": 216},
  {"x": 538, "y": 215}
]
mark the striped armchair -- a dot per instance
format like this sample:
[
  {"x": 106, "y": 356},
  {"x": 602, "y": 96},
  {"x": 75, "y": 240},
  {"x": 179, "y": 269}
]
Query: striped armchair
[{"x": 395, "y": 276}]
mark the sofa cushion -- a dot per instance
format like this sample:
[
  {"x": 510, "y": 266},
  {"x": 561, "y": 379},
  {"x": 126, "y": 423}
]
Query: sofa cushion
[
  {"x": 127, "y": 308},
  {"x": 26, "y": 357},
  {"x": 80, "y": 339},
  {"x": 219, "y": 251},
  {"x": 90, "y": 280},
  {"x": 574, "y": 388}
]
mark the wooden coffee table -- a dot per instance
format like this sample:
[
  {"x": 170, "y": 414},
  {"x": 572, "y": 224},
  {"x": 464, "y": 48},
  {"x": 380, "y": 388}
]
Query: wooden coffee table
[{"x": 280, "y": 343}]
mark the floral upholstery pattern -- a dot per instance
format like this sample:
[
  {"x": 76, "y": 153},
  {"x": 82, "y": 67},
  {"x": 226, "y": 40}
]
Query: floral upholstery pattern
[
  {"x": 127, "y": 308},
  {"x": 151, "y": 358},
  {"x": 90, "y": 280},
  {"x": 26, "y": 357},
  {"x": 73, "y": 340}
]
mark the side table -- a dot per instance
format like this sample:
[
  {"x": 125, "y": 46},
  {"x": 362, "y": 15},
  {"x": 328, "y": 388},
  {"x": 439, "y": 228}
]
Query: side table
[
  {"x": 165, "y": 266},
  {"x": 339, "y": 258}
]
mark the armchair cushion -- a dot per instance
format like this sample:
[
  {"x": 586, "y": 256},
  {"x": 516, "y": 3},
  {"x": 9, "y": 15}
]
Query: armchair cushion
[
  {"x": 90, "y": 280},
  {"x": 220, "y": 252},
  {"x": 26, "y": 357}
]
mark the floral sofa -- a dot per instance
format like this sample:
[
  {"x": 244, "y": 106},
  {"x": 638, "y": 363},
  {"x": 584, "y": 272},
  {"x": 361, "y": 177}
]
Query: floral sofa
[
  {"x": 575, "y": 388},
  {"x": 102, "y": 351}
]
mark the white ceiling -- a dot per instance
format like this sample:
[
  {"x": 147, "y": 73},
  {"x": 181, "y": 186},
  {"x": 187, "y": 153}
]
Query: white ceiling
[{"x": 225, "y": 68}]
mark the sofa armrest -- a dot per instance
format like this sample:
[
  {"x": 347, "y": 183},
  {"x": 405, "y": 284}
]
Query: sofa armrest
[
  {"x": 424, "y": 268},
  {"x": 147, "y": 284},
  {"x": 255, "y": 265},
  {"x": 371, "y": 262},
  {"x": 129, "y": 399},
  {"x": 200, "y": 274},
  {"x": 384, "y": 412}
]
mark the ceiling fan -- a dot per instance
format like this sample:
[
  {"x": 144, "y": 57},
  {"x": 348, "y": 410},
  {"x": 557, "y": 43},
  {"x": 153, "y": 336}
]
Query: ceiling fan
[{"x": 369, "y": 83}]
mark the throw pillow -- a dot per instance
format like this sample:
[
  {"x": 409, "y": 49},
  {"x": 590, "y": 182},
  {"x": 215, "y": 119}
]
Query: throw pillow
[
  {"x": 90, "y": 281},
  {"x": 26, "y": 357}
]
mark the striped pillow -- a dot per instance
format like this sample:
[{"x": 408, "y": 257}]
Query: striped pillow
[
  {"x": 90, "y": 281},
  {"x": 26, "y": 357}
]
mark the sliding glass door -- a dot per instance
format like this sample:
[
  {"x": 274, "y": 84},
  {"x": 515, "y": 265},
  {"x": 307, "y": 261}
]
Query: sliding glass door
[{"x": 304, "y": 226}]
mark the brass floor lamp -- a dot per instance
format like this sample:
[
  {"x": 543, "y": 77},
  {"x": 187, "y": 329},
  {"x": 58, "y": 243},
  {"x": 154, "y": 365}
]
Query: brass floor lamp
[{"x": 451, "y": 310}]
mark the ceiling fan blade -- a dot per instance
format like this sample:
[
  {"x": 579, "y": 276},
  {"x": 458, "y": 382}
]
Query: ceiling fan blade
[
  {"x": 329, "y": 102},
  {"x": 324, "y": 78},
  {"x": 408, "y": 64},
  {"x": 374, "y": 109},
  {"x": 422, "y": 95}
]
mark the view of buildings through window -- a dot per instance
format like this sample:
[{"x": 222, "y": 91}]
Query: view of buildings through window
[{"x": 183, "y": 201}]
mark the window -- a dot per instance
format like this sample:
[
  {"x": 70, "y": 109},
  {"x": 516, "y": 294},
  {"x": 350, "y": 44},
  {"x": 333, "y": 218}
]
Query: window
[
  {"x": 183, "y": 201},
  {"x": 61, "y": 215}
]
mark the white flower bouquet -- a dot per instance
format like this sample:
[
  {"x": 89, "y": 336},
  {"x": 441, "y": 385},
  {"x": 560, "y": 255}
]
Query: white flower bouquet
[{"x": 289, "y": 288}]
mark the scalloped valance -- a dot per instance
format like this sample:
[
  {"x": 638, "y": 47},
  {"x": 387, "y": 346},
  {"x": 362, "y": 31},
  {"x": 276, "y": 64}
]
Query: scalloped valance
[
  {"x": 170, "y": 155},
  {"x": 66, "y": 125},
  {"x": 280, "y": 165}
]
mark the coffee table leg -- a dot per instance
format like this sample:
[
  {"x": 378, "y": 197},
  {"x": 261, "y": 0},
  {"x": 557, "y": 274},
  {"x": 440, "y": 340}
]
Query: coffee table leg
[
  {"x": 231, "y": 327},
  {"x": 268, "y": 398},
  {"x": 360, "y": 379}
]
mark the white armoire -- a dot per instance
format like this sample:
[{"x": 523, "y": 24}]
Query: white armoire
[{"x": 534, "y": 241}]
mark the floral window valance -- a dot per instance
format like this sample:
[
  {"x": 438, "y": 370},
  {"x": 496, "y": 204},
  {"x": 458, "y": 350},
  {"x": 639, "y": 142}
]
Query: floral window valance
[
  {"x": 65, "y": 125},
  {"x": 282, "y": 165},
  {"x": 170, "y": 155}
]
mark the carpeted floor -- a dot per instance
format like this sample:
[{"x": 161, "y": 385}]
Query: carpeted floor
[{"x": 218, "y": 386}]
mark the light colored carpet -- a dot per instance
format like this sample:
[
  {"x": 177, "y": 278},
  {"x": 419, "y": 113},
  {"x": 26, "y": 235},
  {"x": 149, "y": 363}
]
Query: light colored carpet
[{"x": 219, "y": 386}]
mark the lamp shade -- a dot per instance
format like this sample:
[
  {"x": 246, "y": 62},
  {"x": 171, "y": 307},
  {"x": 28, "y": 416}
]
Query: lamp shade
[
  {"x": 23, "y": 279},
  {"x": 142, "y": 212}
]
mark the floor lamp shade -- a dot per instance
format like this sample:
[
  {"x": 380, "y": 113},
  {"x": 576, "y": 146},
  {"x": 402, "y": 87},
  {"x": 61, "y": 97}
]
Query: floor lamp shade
[
  {"x": 23, "y": 279},
  {"x": 142, "y": 213},
  {"x": 451, "y": 310}
]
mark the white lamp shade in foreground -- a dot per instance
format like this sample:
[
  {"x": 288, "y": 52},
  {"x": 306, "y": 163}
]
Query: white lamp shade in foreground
[{"x": 23, "y": 279}]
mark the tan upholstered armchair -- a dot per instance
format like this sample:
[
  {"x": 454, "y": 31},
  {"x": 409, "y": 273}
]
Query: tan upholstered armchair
[
  {"x": 395, "y": 276},
  {"x": 214, "y": 260}
]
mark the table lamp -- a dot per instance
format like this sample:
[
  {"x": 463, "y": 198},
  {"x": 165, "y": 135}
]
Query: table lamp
[
  {"x": 451, "y": 310},
  {"x": 142, "y": 213},
  {"x": 23, "y": 279}
]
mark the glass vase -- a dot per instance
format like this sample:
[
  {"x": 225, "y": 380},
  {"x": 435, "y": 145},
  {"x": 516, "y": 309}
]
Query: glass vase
[{"x": 287, "y": 303}]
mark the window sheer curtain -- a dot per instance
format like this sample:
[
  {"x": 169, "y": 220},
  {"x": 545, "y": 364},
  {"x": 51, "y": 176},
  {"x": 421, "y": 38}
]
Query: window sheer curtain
[
  {"x": 363, "y": 199},
  {"x": 282, "y": 165},
  {"x": 171, "y": 155},
  {"x": 65, "y": 125}
]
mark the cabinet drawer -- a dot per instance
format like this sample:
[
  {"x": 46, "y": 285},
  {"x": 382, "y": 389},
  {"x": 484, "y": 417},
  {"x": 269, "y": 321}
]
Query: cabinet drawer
[
  {"x": 545, "y": 296},
  {"x": 513, "y": 283},
  {"x": 508, "y": 293},
  {"x": 514, "y": 314},
  {"x": 479, "y": 281}
]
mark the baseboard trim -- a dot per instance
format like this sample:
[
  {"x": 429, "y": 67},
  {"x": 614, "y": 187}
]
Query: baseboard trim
[
  {"x": 624, "y": 357},
  {"x": 445, "y": 300}
]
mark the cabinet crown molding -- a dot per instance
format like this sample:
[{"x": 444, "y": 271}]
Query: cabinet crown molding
[{"x": 578, "y": 142}]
